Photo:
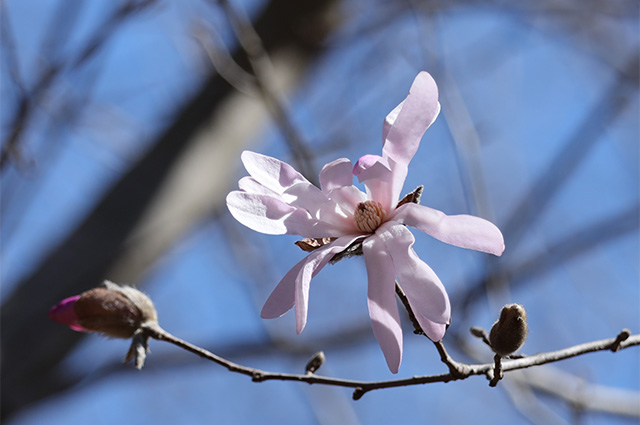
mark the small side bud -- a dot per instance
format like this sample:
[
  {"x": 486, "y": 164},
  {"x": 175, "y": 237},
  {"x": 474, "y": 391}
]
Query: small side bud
[
  {"x": 478, "y": 332},
  {"x": 112, "y": 310},
  {"x": 315, "y": 362},
  {"x": 509, "y": 333}
]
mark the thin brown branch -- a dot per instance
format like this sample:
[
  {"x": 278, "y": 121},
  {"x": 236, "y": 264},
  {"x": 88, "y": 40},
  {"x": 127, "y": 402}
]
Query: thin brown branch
[
  {"x": 497, "y": 371},
  {"x": 462, "y": 371},
  {"x": 405, "y": 302}
]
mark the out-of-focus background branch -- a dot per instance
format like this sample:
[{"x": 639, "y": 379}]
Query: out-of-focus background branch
[{"x": 122, "y": 128}]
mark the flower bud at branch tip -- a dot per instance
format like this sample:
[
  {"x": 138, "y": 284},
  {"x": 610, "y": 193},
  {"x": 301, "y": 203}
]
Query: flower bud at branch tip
[
  {"x": 510, "y": 331},
  {"x": 112, "y": 310}
]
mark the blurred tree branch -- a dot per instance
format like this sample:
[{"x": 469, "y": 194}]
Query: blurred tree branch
[
  {"x": 31, "y": 343},
  {"x": 30, "y": 99}
]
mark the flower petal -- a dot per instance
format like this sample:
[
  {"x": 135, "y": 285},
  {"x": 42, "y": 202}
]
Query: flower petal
[
  {"x": 63, "y": 312},
  {"x": 251, "y": 185},
  {"x": 305, "y": 195},
  {"x": 377, "y": 175},
  {"x": 389, "y": 120},
  {"x": 271, "y": 172},
  {"x": 347, "y": 198},
  {"x": 465, "y": 231},
  {"x": 272, "y": 216},
  {"x": 435, "y": 331},
  {"x": 336, "y": 174},
  {"x": 315, "y": 262},
  {"x": 407, "y": 123},
  {"x": 283, "y": 297},
  {"x": 426, "y": 294},
  {"x": 293, "y": 289},
  {"x": 383, "y": 309}
]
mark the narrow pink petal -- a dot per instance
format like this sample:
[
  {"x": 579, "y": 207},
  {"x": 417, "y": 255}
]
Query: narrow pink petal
[
  {"x": 283, "y": 296},
  {"x": 305, "y": 195},
  {"x": 336, "y": 174},
  {"x": 407, "y": 124},
  {"x": 376, "y": 174},
  {"x": 63, "y": 312},
  {"x": 293, "y": 289},
  {"x": 426, "y": 294},
  {"x": 465, "y": 231},
  {"x": 272, "y": 216},
  {"x": 271, "y": 172},
  {"x": 261, "y": 213},
  {"x": 383, "y": 309},
  {"x": 389, "y": 120},
  {"x": 347, "y": 198},
  {"x": 435, "y": 331},
  {"x": 372, "y": 167},
  {"x": 251, "y": 185},
  {"x": 79, "y": 328},
  {"x": 339, "y": 212},
  {"x": 313, "y": 264},
  {"x": 331, "y": 214}
]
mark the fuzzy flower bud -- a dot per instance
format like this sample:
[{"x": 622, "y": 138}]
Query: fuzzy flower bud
[
  {"x": 509, "y": 333},
  {"x": 315, "y": 362},
  {"x": 113, "y": 310}
]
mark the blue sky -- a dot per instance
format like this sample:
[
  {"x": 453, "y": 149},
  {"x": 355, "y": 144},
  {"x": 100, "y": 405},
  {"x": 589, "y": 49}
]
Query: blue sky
[{"x": 526, "y": 83}]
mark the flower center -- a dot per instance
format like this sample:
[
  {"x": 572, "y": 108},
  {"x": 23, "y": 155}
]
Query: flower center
[{"x": 368, "y": 216}]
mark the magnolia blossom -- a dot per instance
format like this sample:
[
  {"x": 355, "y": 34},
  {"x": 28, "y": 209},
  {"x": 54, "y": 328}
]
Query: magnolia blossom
[{"x": 276, "y": 199}]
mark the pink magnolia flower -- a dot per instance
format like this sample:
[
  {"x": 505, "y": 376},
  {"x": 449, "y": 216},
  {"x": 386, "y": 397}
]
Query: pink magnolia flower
[{"x": 276, "y": 199}]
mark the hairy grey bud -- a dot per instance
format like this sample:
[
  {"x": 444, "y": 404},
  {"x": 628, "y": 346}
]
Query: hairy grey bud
[{"x": 509, "y": 333}]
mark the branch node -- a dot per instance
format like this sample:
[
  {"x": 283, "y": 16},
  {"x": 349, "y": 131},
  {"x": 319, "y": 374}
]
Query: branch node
[
  {"x": 257, "y": 376},
  {"x": 358, "y": 393},
  {"x": 497, "y": 371},
  {"x": 457, "y": 370},
  {"x": 622, "y": 336},
  {"x": 481, "y": 333},
  {"x": 315, "y": 362}
]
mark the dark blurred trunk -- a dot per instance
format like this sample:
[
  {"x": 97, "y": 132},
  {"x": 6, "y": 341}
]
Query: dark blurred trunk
[{"x": 32, "y": 345}]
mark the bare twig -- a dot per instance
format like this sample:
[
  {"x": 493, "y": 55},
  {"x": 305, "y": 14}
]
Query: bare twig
[
  {"x": 497, "y": 371},
  {"x": 462, "y": 371}
]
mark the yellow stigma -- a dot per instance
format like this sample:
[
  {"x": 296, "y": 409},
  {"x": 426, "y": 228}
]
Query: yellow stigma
[{"x": 368, "y": 216}]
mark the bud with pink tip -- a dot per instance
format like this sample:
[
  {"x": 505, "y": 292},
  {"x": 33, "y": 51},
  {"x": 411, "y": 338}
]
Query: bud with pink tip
[{"x": 113, "y": 310}]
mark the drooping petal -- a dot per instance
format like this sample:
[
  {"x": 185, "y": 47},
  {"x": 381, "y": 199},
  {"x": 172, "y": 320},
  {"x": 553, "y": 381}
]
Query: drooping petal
[
  {"x": 383, "y": 309},
  {"x": 283, "y": 297},
  {"x": 272, "y": 216},
  {"x": 315, "y": 262},
  {"x": 435, "y": 331},
  {"x": 407, "y": 123},
  {"x": 465, "y": 231},
  {"x": 293, "y": 289},
  {"x": 336, "y": 174},
  {"x": 426, "y": 294},
  {"x": 271, "y": 172}
]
